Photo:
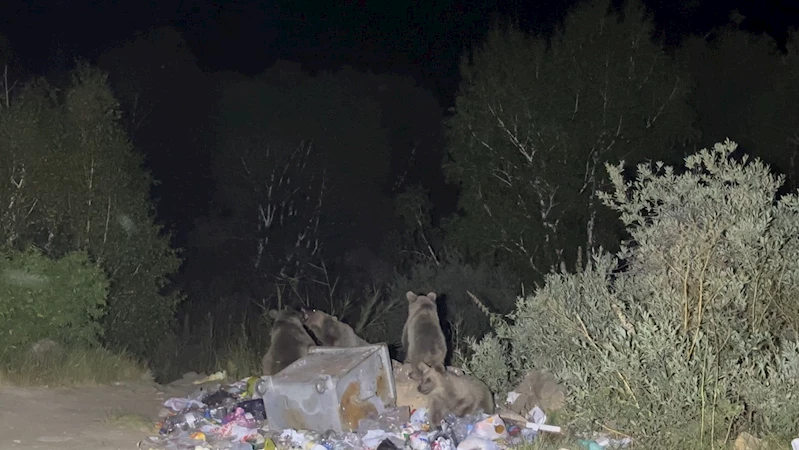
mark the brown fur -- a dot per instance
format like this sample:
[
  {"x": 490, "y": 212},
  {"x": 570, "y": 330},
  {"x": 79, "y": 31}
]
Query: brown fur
[
  {"x": 538, "y": 388},
  {"x": 448, "y": 393},
  {"x": 422, "y": 337},
  {"x": 330, "y": 331},
  {"x": 290, "y": 341}
]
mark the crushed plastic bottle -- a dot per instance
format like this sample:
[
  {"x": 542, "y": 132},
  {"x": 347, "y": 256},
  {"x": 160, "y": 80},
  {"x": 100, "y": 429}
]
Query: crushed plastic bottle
[
  {"x": 350, "y": 441},
  {"x": 461, "y": 427},
  {"x": 217, "y": 413},
  {"x": 419, "y": 441},
  {"x": 418, "y": 416},
  {"x": 190, "y": 420},
  {"x": 389, "y": 420},
  {"x": 443, "y": 442}
]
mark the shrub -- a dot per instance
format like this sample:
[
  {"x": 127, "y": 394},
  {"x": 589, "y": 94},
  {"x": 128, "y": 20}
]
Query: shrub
[
  {"x": 689, "y": 335},
  {"x": 40, "y": 298}
]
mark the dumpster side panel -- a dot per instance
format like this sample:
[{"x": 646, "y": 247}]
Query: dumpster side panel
[{"x": 330, "y": 389}]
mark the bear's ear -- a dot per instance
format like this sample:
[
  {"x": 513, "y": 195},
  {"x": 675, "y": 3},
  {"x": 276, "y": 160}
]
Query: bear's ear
[
  {"x": 424, "y": 367},
  {"x": 304, "y": 313},
  {"x": 410, "y": 296},
  {"x": 432, "y": 296},
  {"x": 273, "y": 314}
]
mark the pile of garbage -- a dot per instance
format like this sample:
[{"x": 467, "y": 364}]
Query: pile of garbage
[{"x": 233, "y": 417}]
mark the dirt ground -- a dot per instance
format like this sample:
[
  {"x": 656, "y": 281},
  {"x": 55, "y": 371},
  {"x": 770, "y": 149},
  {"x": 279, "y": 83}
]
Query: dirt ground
[{"x": 102, "y": 418}]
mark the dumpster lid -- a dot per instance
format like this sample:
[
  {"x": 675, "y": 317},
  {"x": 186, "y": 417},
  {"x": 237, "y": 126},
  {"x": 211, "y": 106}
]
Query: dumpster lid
[{"x": 332, "y": 361}]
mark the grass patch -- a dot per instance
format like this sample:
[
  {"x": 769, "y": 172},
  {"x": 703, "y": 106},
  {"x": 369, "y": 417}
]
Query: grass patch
[
  {"x": 239, "y": 358},
  {"x": 207, "y": 351},
  {"x": 547, "y": 441},
  {"x": 551, "y": 441},
  {"x": 72, "y": 367}
]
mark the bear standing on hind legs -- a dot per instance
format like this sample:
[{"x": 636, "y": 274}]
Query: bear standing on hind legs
[
  {"x": 422, "y": 337},
  {"x": 289, "y": 341}
]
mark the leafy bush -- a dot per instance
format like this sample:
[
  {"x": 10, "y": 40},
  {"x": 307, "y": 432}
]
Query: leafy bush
[
  {"x": 77, "y": 184},
  {"x": 61, "y": 299},
  {"x": 686, "y": 337}
]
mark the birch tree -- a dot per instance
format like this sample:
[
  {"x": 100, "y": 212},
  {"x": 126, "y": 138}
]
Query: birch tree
[
  {"x": 281, "y": 193},
  {"x": 284, "y": 141},
  {"x": 535, "y": 121},
  {"x": 73, "y": 182}
]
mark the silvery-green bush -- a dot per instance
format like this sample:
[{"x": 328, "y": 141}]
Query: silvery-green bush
[{"x": 689, "y": 335}]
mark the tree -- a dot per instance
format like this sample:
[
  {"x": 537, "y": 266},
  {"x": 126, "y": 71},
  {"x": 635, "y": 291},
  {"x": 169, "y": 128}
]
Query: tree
[
  {"x": 76, "y": 184},
  {"x": 12, "y": 74},
  {"x": 411, "y": 117},
  {"x": 284, "y": 141},
  {"x": 769, "y": 94},
  {"x": 152, "y": 73},
  {"x": 534, "y": 123},
  {"x": 166, "y": 101}
]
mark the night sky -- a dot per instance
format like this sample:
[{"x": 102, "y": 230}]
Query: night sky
[
  {"x": 423, "y": 39},
  {"x": 248, "y": 36}
]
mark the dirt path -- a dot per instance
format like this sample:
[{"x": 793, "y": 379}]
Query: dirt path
[{"x": 82, "y": 418}]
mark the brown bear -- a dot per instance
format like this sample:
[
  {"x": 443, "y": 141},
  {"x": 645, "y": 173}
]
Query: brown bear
[{"x": 290, "y": 341}]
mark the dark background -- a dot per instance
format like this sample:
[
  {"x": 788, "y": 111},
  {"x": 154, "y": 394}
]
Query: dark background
[
  {"x": 423, "y": 39},
  {"x": 191, "y": 74}
]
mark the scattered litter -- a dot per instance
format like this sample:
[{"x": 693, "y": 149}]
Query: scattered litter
[
  {"x": 538, "y": 421},
  {"x": 230, "y": 419},
  {"x": 219, "y": 376},
  {"x": 601, "y": 441},
  {"x": 179, "y": 404},
  {"x": 235, "y": 417}
]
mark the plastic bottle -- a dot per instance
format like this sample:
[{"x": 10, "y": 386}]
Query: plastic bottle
[
  {"x": 217, "y": 413},
  {"x": 460, "y": 427},
  {"x": 186, "y": 421}
]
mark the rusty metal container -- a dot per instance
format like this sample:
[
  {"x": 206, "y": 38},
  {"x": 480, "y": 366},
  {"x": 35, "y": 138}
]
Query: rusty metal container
[{"x": 331, "y": 388}]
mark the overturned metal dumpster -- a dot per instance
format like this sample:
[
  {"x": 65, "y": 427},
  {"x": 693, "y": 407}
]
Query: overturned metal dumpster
[{"x": 330, "y": 389}]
